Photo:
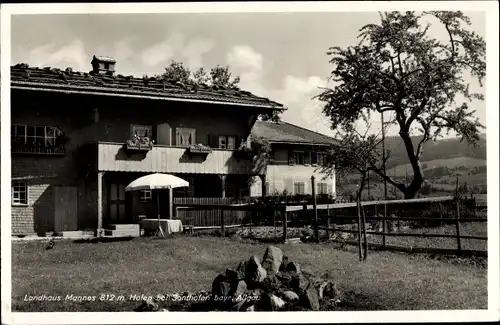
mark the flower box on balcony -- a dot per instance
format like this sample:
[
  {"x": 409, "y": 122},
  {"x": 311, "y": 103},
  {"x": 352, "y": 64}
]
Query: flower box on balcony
[
  {"x": 141, "y": 146},
  {"x": 199, "y": 149},
  {"x": 244, "y": 153}
]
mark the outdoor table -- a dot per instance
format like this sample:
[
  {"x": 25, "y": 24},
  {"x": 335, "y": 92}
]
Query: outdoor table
[{"x": 169, "y": 226}]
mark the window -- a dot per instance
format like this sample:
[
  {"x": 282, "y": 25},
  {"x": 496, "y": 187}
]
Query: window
[
  {"x": 227, "y": 142},
  {"x": 322, "y": 188},
  {"x": 299, "y": 188},
  {"x": 141, "y": 131},
  {"x": 185, "y": 137},
  {"x": 32, "y": 135},
  {"x": 19, "y": 193},
  {"x": 185, "y": 191},
  {"x": 320, "y": 158},
  {"x": 146, "y": 196},
  {"x": 298, "y": 157}
]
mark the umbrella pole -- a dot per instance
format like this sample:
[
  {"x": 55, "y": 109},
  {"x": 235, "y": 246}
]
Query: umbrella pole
[{"x": 160, "y": 230}]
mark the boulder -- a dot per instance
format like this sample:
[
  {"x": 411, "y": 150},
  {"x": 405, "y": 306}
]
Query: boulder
[
  {"x": 285, "y": 278},
  {"x": 328, "y": 290},
  {"x": 299, "y": 282},
  {"x": 310, "y": 297},
  {"x": 221, "y": 286},
  {"x": 293, "y": 267},
  {"x": 284, "y": 263},
  {"x": 307, "y": 291},
  {"x": 289, "y": 295},
  {"x": 238, "y": 289},
  {"x": 270, "y": 302},
  {"x": 251, "y": 308},
  {"x": 271, "y": 262},
  {"x": 254, "y": 272},
  {"x": 241, "y": 270},
  {"x": 271, "y": 284}
]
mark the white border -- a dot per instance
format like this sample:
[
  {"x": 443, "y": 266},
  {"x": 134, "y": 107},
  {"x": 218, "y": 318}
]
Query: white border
[{"x": 492, "y": 104}]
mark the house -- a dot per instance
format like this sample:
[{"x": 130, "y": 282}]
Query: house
[
  {"x": 77, "y": 140},
  {"x": 296, "y": 155}
]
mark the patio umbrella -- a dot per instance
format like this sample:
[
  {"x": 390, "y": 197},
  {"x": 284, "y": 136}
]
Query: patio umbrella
[{"x": 157, "y": 181}]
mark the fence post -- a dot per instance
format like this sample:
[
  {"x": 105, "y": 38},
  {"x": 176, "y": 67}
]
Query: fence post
[
  {"x": 315, "y": 208},
  {"x": 285, "y": 221},
  {"x": 222, "y": 228},
  {"x": 384, "y": 225},
  {"x": 328, "y": 220},
  {"x": 457, "y": 225}
]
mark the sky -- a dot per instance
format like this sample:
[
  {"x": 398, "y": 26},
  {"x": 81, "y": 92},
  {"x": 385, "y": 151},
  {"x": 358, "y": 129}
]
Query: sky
[{"x": 281, "y": 56}]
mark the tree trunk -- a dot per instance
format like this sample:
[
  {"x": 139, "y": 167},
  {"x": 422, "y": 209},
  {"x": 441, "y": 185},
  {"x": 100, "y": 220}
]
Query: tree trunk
[
  {"x": 358, "y": 201},
  {"x": 411, "y": 190},
  {"x": 365, "y": 248}
]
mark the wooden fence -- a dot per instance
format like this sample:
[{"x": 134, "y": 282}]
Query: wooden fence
[
  {"x": 212, "y": 212},
  {"x": 222, "y": 213},
  {"x": 403, "y": 211}
]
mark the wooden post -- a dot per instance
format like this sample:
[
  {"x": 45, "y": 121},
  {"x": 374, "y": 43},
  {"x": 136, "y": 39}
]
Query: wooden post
[
  {"x": 222, "y": 227},
  {"x": 384, "y": 225},
  {"x": 99, "y": 203},
  {"x": 171, "y": 203},
  {"x": 316, "y": 225},
  {"x": 263, "y": 185},
  {"x": 285, "y": 221},
  {"x": 399, "y": 215},
  {"x": 328, "y": 220},
  {"x": 223, "y": 185},
  {"x": 358, "y": 203},
  {"x": 457, "y": 225}
]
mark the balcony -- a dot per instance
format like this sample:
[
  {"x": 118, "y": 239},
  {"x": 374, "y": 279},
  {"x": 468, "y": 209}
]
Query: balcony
[{"x": 169, "y": 159}]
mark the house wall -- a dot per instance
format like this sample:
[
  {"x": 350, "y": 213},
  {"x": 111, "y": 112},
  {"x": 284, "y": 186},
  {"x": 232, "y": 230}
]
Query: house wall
[
  {"x": 280, "y": 175},
  {"x": 76, "y": 116}
]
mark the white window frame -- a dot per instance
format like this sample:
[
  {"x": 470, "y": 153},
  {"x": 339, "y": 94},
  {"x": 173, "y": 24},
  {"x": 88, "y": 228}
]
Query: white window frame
[
  {"x": 141, "y": 130},
  {"x": 49, "y": 134},
  {"x": 24, "y": 186},
  {"x": 323, "y": 185},
  {"x": 298, "y": 185},
  {"x": 146, "y": 195},
  {"x": 225, "y": 142},
  {"x": 179, "y": 132}
]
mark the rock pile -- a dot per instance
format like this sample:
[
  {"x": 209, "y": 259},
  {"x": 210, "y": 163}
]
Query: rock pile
[
  {"x": 272, "y": 283},
  {"x": 275, "y": 283}
]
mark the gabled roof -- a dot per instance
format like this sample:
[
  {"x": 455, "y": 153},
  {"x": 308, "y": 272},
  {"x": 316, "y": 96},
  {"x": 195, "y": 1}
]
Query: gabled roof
[
  {"x": 69, "y": 81},
  {"x": 284, "y": 132}
]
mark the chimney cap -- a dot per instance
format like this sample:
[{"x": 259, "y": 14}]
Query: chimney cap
[{"x": 105, "y": 59}]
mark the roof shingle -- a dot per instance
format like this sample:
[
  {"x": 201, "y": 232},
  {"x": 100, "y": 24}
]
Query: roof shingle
[
  {"x": 284, "y": 132},
  {"x": 23, "y": 76}
]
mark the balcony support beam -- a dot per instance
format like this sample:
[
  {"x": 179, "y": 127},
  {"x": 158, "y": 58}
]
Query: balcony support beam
[
  {"x": 223, "y": 184},
  {"x": 100, "y": 176}
]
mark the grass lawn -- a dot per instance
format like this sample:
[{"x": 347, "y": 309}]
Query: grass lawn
[{"x": 386, "y": 281}]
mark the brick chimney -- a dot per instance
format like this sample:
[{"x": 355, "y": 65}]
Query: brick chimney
[{"x": 103, "y": 65}]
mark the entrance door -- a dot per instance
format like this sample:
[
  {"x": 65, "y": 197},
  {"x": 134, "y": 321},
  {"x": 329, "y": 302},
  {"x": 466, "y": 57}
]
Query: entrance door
[
  {"x": 117, "y": 203},
  {"x": 66, "y": 208}
]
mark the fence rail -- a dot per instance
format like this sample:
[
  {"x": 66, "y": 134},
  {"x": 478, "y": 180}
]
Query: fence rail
[
  {"x": 210, "y": 212},
  {"x": 222, "y": 213}
]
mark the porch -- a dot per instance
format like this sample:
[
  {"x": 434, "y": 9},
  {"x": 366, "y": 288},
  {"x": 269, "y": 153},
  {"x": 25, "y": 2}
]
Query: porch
[{"x": 116, "y": 206}]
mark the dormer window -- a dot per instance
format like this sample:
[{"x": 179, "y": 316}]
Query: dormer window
[{"x": 103, "y": 65}]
